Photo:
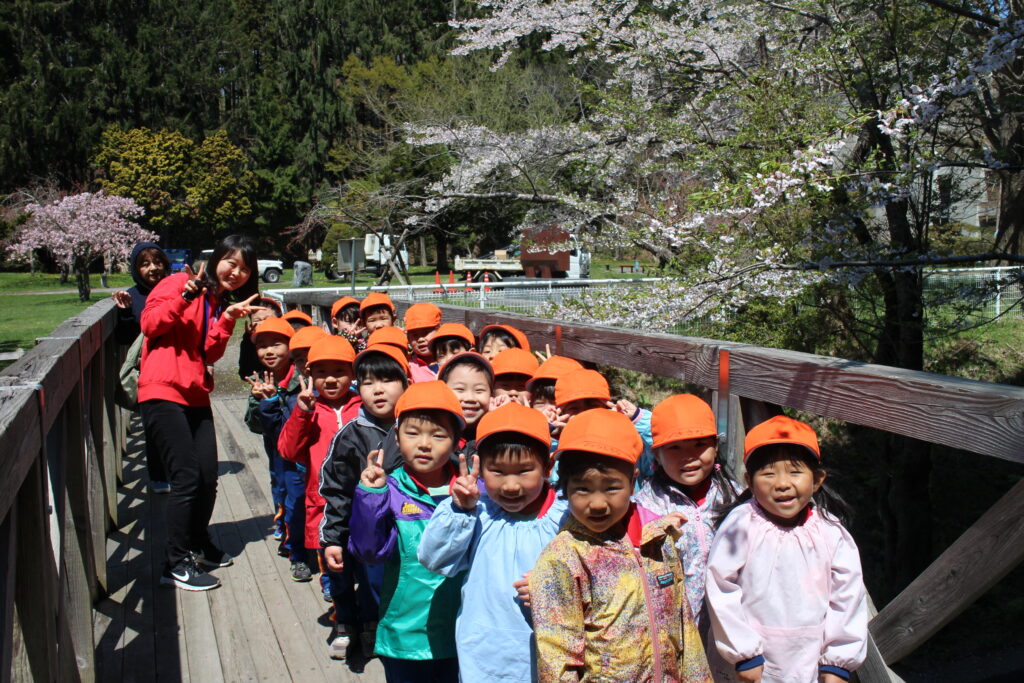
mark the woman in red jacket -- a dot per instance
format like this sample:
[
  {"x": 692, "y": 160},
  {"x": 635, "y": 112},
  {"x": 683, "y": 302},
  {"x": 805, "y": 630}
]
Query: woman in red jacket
[{"x": 187, "y": 322}]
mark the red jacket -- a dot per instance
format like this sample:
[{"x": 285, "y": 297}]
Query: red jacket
[
  {"x": 305, "y": 439},
  {"x": 175, "y": 354}
]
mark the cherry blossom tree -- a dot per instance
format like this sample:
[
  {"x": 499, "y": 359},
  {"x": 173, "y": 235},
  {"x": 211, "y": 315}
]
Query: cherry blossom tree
[{"x": 78, "y": 229}]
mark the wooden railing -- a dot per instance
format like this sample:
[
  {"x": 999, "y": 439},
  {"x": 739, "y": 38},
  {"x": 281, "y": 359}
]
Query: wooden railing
[
  {"x": 984, "y": 418},
  {"x": 61, "y": 442}
]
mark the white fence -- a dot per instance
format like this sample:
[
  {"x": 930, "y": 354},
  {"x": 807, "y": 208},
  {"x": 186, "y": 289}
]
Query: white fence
[{"x": 991, "y": 292}]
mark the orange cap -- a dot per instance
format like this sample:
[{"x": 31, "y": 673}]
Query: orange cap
[
  {"x": 518, "y": 335},
  {"x": 514, "y": 362},
  {"x": 432, "y": 395},
  {"x": 388, "y": 350},
  {"x": 516, "y": 418},
  {"x": 342, "y": 303},
  {"x": 296, "y": 314},
  {"x": 273, "y": 326},
  {"x": 389, "y": 334},
  {"x": 602, "y": 431},
  {"x": 304, "y": 338},
  {"x": 455, "y": 330},
  {"x": 376, "y": 299},
  {"x": 781, "y": 429},
  {"x": 579, "y": 384},
  {"x": 422, "y": 315},
  {"x": 471, "y": 356},
  {"x": 679, "y": 417},
  {"x": 553, "y": 368},
  {"x": 331, "y": 348}
]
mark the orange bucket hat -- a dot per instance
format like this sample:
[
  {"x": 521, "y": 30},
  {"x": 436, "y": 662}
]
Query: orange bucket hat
[
  {"x": 296, "y": 314},
  {"x": 304, "y": 338},
  {"x": 514, "y": 362},
  {"x": 455, "y": 330},
  {"x": 471, "y": 356},
  {"x": 679, "y": 417},
  {"x": 376, "y": 299},
  {"x": 389, "y": 335},
  {"x": 422, "y": 315},
  {"x": 342, "y": 303},
  {"x": 432, "y": 395},
  {"x": 518, "y": 335},
  {"x": 553, "y": 368},
  {"x": 781, "y": 429},
  {"x": 331, "y": 348},
  {"x": 388, "y": 350},
  {"x": 602, "y": 431},
  {"x": 581, "y": 384},
  {"x": 515, "y": 418},
  {"x": 273, "y": 326}
]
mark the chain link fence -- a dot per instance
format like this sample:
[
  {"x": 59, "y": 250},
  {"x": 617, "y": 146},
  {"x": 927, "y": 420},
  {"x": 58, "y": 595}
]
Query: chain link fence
[{"x": 987, "y": 292}]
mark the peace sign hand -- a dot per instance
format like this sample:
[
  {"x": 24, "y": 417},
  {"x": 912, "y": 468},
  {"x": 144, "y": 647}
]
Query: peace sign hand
[
  {"x": 262, "y": 388},
  {"x": 465, "y": 491},
  {"x": 305, "y": 398},
  {"x": 374, "y": 476},
  {"x": 194, "y": 285},
  {"x": 243, "y": 308}
]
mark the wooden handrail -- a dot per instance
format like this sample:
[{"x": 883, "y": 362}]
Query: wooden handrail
[
  {"x": 982, "y": 417},
  {"x": 62, "y": 437}
]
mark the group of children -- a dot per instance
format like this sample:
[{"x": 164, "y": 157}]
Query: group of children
[{"x": 476, "y": 513}]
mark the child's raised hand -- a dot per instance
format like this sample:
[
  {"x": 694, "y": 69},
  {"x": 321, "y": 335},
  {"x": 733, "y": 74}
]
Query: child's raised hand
[
  {"x": 262, "y": 388},
  {"x": 750, "y": 675},
  {"x": 522, "y": 587},
  {"x": 122, "y": 299},
  {"x": 374, "y": 476},
  {"x": 498, "y": 401},
  {"x": 623, "y": 406},
  {"x": 557, "y": 419},
  {"x": 543, "y": 355},
  {"x": 305, "y": 398},
  {"x": 333, "y": 556},
  {"x": 465, "y": 491}
]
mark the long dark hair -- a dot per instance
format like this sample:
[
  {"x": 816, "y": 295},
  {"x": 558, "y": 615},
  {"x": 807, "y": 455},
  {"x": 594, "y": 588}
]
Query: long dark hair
[
  {"x": 224, "y": 248},
  {"x": 720, "y": 475},
  {"x": 826, "y": 500}
]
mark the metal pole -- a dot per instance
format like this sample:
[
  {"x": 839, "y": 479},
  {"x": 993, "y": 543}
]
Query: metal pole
[{"x": 352, "y": 254}]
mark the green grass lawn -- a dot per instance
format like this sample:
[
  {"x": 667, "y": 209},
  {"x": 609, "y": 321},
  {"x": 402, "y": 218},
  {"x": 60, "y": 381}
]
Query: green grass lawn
[
  {"x": 41, "y": 282},
  {"x": 23, "y": 318}
]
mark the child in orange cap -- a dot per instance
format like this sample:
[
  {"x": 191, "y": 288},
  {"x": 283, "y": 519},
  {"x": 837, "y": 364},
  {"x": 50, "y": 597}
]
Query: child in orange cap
[
  {"x": 416, "y": 632},
  {"x": 297, "y": 319},
  {"x": 345, "y": 322},
  {"x": 784, "y": 586},
  {"x": 471, "y": 377},
  {"x": 580, "y": 390},
  {"x": 382, "y": 372},
  {"x": 376, "y": 310},
  {"x": 450, "y": 339},
  {"x": 421, "y": 323},
  {"x": 542, "y": 385},
  {"x": 688, "y": 479},
  {"x": 389, "y": 334},
  {"x": 496, "y": 531},
  {"x": 513, "y": 368},
  {"x": 248, "y": 362},
  {"x": 608, "y": 593},
  {"x": 265, "y": 414},
  {"x": 494, "y": 339},
  {"x": 298, "y": 346},
  {"x": 323, "y": 405}
]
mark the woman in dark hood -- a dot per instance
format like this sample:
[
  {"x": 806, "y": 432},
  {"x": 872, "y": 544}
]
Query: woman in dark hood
[{"x": 148, "y": 264}]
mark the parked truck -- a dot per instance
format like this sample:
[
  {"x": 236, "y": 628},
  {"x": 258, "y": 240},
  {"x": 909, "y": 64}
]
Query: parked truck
[{"x": 532, "y": 259}]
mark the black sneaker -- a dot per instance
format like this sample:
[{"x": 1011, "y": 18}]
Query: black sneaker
[
  {"x": 187, "y": 576},
  {"x": 213, "y": 557},
  {"x": 301, "y": 572}
]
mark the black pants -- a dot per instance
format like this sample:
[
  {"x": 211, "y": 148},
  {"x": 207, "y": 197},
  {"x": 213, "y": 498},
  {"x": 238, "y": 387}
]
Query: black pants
[
  {"x": 154, "y": 460},
  {"x": 185, "y": 440}
]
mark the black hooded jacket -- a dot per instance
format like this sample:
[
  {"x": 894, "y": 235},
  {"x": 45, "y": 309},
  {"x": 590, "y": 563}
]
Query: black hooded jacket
[{"x": 128, "y": 318}]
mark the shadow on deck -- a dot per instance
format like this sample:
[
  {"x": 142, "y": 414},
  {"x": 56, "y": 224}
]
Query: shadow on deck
[{"x": 258, "y": 626}]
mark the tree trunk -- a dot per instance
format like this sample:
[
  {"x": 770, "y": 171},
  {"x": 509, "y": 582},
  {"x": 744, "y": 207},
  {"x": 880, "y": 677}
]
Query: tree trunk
[
  {"x": 82, "y": 278},
  {"x": 63, "y": 274},
  {"x": 423, "y": 251},
  {"x": 441, "y": 243}
]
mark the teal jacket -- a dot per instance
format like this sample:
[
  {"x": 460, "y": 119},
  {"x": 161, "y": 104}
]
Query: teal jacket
[{"x": 417, "y": 606}]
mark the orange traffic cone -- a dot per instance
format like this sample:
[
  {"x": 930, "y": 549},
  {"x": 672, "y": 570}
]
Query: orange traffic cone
[
  {"x": 451, "y": 277},
  {"x": 469, "y": 281},
  {"x": 487, "y": 281},
  {"x": 437, "y": 281}
]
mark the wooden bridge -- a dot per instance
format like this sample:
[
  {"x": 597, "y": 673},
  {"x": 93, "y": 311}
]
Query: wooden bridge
[{"x": 81, "y": 539}]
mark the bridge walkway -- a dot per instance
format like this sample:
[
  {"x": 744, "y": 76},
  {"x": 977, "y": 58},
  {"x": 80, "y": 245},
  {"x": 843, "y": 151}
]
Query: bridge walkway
[{"x": 258, "y": 626}]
